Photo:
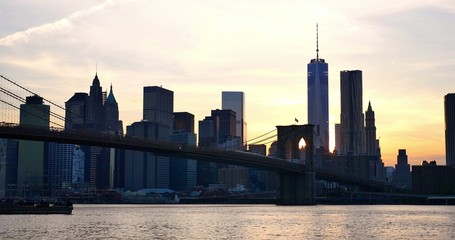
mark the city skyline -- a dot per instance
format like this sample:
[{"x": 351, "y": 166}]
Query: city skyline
[{"x": 200, "y": 49}]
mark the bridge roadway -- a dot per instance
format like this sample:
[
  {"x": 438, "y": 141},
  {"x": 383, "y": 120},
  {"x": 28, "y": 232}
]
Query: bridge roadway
[{"x": 166, "y": 148}]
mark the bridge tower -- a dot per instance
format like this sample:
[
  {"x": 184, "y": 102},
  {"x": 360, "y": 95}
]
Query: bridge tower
[{"x": 296, "y": 188}]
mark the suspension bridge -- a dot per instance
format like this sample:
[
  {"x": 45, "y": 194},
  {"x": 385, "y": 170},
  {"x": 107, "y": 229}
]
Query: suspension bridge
[{"x": 293, "y": 175}]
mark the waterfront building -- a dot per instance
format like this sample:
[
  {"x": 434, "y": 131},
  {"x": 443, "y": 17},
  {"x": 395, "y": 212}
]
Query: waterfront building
[
  {"x": 144, "y": 169},
  {"x": 261, "y": 180},
  {"x": 233, "y": 175},
  {"x": 32, "y": 155},
  {"x": 183, "y": 172},
  {"x": 318, "y": 98},
  {"x": 96, "y": 111},
  {"x": 207, "y": 172},
  {"x": 449, "y": 114},
  {"x": 429, "y": 178},
  {"x": 78, "y": 168},
  {"x": 8, "y": 167},
  {"x": 216, "y": 131},
  {"x": 110, "y": 159},
  {"x": 235, "y": 101},
  {"x": 402, "y": 176},
  {"x": 352, "y": 130},
  {"x": 59, "y": 170}
]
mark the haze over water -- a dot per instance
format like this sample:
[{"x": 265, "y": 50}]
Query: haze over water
[{"x": 236, "y": 222}]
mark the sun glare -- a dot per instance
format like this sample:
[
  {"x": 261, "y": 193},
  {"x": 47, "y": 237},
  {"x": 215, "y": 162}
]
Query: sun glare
[{"x": 302, "y": 143}]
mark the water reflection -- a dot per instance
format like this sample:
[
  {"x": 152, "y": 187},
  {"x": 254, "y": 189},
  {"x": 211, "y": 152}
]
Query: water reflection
[{"x": 235, "y": 222}]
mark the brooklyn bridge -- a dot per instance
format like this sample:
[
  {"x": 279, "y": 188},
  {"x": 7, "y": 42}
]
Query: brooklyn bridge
[{"x": 297, "y": 180}]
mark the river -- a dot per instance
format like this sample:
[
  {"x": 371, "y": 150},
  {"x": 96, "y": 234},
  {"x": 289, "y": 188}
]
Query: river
[{"x": 236, "y": 222}]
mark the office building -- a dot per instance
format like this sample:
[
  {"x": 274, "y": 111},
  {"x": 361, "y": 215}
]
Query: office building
[
  {"x": 143, "y": 169},
  {"x": 110, "y": 158},
  {"x": 352, "y": 130},
  {"x": 402, "y": 175},
  {"x": 318, "y": 98},
  {"x": 184, "y": 121},
  {"x": 449, "y": 114},
  {"x": 78, "y": 168},
  {"x": 337, "y": 138},
  {"x": 158, "y": 106},
  {"x": 95, "y": 105},
  {"x": 32, "y": 155},
  {"x": 216, "y": 131},
  {"x": 370, "y": 132},
  {"x": 235, "y": 101},
  {"x": 76, "y": 115},
  {"x": 111, "y": 114},
  {"x": 8, "y": 167},
  {"x": 431, "y": 179},
  {"x": 59, "y": 170},
  {"x": 183, "y": 172}
]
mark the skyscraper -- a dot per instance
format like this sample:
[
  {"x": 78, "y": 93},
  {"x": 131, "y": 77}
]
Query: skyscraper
[
  {"x": 235, "y": 101},
  {"x": 449, "y": 114},
  {"x": 76, "y": 115},
  {"x": 183, "y": 172},
  {"x": 146, "y": 170},
  {"x": 95, "y": 106},
  {"x": 352, "y": 131},
  {"x": 318, "y": 98},
  {"x": 111, "y": 156},
  {"x": 8, "y": 167},
  {"x": 111, "y": 114},
  {"x": 402, "y": 175},
  {"x": 370, "y": 131},
  {"x": 32, "y": 171},
  {"x": 158, "y": 106}
]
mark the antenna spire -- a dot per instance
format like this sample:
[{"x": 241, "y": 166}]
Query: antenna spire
[{"x": 317, "y": 43}]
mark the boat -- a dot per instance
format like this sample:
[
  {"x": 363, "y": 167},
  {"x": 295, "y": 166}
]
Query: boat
[{"x": 42, "y": 207}]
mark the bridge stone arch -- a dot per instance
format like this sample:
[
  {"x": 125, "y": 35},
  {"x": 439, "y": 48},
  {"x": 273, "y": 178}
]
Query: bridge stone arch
[{"x": 296, "y": 188}]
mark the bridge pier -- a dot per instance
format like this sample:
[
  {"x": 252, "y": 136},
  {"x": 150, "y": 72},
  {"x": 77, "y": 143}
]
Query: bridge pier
[{"x": 296, "y": 188}]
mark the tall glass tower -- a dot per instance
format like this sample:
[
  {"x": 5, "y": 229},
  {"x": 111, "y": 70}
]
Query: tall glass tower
[
  {"x": 318, "y": 98},
  {"x": 235, "y": 101}
]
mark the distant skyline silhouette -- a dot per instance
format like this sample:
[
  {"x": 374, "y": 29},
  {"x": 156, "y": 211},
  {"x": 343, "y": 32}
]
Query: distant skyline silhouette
[{"x": 200, "y": 49}]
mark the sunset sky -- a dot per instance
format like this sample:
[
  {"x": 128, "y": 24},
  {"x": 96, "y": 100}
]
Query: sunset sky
[{"x": 406, "y": 50}]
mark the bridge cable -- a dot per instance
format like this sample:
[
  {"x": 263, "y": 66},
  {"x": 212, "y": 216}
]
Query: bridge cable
[
  {"x": 29, "y": 112},
  {"x": 58, "y": 106}
]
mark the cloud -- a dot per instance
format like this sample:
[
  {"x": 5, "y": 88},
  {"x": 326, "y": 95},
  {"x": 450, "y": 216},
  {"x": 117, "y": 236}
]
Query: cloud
[{"x": 61, "y": 25}]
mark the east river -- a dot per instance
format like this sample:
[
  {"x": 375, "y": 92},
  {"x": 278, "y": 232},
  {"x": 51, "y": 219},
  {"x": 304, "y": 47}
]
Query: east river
[{"x": 236, "y": 222}]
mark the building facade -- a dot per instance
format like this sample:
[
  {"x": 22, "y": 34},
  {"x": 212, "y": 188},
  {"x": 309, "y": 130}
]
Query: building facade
[
  {"x": 235, "y": 101},
  {"x": 318, "y": 98},
  {"x": 183, "y": 172},
  {"x": 352, "y": 129},
  {"x": 32, "y": 155},
  {"x": 144, "y": 169},
  {"x": 402, "y": 175},
  {"x": 449, "y": 115},
  {"x": 8, "y": 167},
  {"x": 158, "y": 105}
]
